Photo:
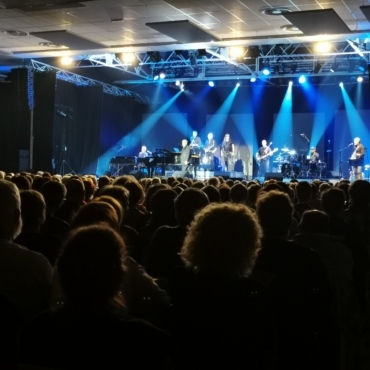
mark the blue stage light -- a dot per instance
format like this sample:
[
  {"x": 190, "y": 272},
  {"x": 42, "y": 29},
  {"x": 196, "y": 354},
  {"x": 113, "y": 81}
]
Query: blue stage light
[{"x": 302, "y": 79}]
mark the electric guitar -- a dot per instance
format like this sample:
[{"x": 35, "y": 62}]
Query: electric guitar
[
  {"x": 260, "y": 158},
  {"x": 210, "y": 149}
]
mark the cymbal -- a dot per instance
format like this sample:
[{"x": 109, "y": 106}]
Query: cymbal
[{"x": 285, "y": 150}]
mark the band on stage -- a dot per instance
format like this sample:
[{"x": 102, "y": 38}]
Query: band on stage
[{"x": 193, "y": 154}]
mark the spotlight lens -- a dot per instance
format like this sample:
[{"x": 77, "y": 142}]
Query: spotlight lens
[
  {"x": 323, "y": 47},
  {"x": 211, "y": 83},
  {"x": 266, "y": 72},
  {"x": 253, "y": 79},
  {"x": 341, "y": 84},
  {"x": 155, "y": 78},
  {"x": 302, "y": 79},
  {"x": 360, "y": 79},
  {"x": 238, "y": 84},
  {"x": 66, "y": 60},
  {"x": 290, "y": 83},
  {"x": 128, "y": 58},
  {"x": 162, "y": 75}
]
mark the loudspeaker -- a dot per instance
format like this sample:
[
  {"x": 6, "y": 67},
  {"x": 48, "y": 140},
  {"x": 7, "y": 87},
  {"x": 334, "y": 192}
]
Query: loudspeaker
[
  {"x": 137, "y": 174},
  {"x": 181, "y": 174},
  {"x": 273, "y": 176},
  {"x": 224, "y": 174}
]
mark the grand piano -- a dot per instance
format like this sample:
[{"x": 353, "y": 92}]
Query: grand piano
[{"x": 161, "y": 160}]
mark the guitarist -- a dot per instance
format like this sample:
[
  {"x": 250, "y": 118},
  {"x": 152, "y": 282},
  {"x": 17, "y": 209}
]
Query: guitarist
[
  {"x": 210, "y": 148},
  {"x": 263, "y": 157},
  {"x": 227, "y": 153}
]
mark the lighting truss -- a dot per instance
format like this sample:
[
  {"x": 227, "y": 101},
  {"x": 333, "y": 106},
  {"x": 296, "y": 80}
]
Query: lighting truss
[
  {"x": 349, "y": 57},
  {"x": 84, "y": 81}
]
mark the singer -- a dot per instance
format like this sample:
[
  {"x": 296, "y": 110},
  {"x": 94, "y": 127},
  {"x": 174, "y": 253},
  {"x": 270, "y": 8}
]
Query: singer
[
  {"x": 357, "y": 159},
  {"x": 263, "y": 158}
]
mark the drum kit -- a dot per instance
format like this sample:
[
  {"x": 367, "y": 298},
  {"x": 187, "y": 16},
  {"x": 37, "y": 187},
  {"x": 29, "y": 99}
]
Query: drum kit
[{"x": 293, "y": 165}]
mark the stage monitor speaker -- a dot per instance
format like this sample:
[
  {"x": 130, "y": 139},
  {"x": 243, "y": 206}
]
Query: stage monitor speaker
[
  {"x": 181, "y": 174},
  {"x": 224, "y": 174},
  {"x": 137, "y": 174},
  {"x": 273, "y": 176}
]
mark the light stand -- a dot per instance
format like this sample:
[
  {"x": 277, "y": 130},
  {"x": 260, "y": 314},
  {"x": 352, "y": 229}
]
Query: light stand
[{"x": 64, "y": 165}]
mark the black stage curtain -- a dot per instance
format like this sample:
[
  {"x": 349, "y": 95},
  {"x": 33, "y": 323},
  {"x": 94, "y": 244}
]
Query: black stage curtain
[
  {"x": 77, "y": 117},
  {"x": 14, "y": 122},
  {"x": 44, "y": 96}
]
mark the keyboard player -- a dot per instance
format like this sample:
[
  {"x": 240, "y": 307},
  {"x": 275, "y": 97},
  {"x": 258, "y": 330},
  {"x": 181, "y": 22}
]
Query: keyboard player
[{"x": 144, "y": 153}]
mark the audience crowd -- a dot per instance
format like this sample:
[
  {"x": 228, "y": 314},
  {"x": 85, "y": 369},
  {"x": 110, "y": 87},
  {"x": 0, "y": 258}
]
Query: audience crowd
[{"x": 176, "y": 273}]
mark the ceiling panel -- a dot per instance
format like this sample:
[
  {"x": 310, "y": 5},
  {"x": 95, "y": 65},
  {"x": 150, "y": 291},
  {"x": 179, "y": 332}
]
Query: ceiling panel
[{"x": 236, "y": 21}]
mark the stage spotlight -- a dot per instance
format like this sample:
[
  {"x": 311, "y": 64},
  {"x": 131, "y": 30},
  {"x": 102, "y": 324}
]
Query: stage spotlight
[
  {"x": 127, "y": 58},
  {"x": 253, "y": 79},
  {"x": 265, "y": 67},
  {"x": 162, "y": 74},
  {"x": 360, "y": 79},
  {"x": 202, "y": 53},
  {"x": 237, "y": 84},
  {"x": 290, "y": 83},
  {"x": 236, "y": 52},
  {"x": 154, "y": 56},
  {"x": 322, "y": 47},
  {"x": 302, "y": 79},
  {"x": 66, "y": 61},
  {"x": 177, "y": 83},
  {"x": 362, "y": 65},
  {"x": 211, "y": 83},
  {"x": 341, "y": 84},
  {"x": 193, "y": 59},
  {"x": 182, "y": 87}
]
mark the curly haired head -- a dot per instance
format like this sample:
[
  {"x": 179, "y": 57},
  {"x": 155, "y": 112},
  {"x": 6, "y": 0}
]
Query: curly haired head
[{"x": 223, "y": 241}]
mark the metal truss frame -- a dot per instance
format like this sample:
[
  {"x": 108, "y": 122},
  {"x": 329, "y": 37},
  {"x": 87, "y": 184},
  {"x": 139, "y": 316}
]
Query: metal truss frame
[
  {"x": 79, "y": 80},
  {"x": 285, "y": 60}
]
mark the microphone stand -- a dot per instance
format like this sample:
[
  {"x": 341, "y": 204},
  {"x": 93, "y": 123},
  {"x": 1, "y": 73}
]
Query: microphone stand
[{"x": 340, "y": 159}]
